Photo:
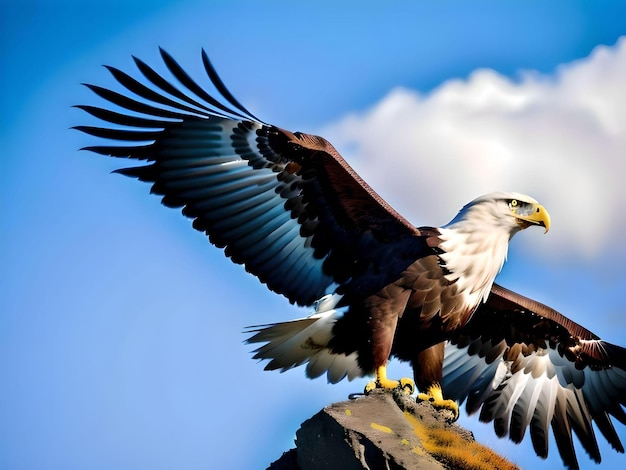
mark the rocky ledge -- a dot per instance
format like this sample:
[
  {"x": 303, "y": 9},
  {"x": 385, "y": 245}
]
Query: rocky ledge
[{"x": 386, "y": 431}]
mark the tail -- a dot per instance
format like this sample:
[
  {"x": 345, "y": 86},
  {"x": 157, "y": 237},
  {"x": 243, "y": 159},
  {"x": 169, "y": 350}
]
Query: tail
[{"x": 292, "y": 343}]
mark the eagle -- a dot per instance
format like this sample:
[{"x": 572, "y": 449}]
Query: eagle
[{"x": 289, "y": 208}]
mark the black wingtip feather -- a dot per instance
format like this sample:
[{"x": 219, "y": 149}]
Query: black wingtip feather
[
  {"x": 101, "y": 150},
  {"x": 139, "y": 152},
  {"x": 184, "y": 78},
  {"x": 167, "y": 87},
  {"x": 120, "y": 134},
  {"x": 221, "y": 87},
  {"x": 124, "y": 119},
  {"x": 142, "y": 173}
]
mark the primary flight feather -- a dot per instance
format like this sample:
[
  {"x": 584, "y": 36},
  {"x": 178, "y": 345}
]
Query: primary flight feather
[{"x": 288, "y": 207}]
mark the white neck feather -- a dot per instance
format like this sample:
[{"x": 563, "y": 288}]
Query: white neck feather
[{"x": 474, "y": 253}]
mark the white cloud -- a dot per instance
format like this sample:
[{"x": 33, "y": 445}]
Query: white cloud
[{"x": 560, "y": 138}]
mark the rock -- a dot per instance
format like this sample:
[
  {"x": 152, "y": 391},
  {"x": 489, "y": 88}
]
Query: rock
[{"x": 386, "y": 431}]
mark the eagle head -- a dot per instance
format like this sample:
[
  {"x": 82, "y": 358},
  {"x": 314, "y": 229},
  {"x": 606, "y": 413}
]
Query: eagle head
[
  {"x": 509, "y": 212},
  {"x": 475, "y": 242}
]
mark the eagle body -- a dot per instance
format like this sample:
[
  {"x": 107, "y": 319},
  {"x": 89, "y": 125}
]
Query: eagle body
[
  {"x": 426, "y": 301},
  {"x": 289, "y": 208}
]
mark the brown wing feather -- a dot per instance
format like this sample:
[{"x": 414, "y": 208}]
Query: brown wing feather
[
  {"x": 505, "y": 299},
  {"x": 355, "y": 203},
  {"x": 525, "y": 365}
]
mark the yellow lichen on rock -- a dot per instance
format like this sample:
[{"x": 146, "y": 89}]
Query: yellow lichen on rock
[
  {"x": 382, "y": 428},
  {"x": 448, "y": 446}
]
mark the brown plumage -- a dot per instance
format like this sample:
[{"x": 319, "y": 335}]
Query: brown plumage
[{"x": 288, "y": 207}]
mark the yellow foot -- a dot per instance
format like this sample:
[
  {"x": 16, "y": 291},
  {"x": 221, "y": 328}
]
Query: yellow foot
[
  {"x": 434, "y": 396},
  {"x": 406, "y": 385}
]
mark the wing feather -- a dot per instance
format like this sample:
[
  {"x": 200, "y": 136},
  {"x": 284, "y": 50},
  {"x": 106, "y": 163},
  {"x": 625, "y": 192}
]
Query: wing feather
[
  {"x": 286, "y": 205},
  {"x": 221, "y": 88},
  {"x": 537, "y": 369}
]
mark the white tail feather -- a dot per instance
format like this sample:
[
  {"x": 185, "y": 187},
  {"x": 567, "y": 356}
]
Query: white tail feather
[{"x": 292, "y": 343}]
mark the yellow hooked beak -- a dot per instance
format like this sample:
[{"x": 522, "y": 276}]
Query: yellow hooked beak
[{"x": 531, "y": 214}]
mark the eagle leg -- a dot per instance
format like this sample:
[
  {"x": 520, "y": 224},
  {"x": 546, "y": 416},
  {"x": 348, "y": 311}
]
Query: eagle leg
[
  {"x": 434, "y": 396},
  {"x": 385, "y": 308},
  {"x": 405, "y": 384},
  {"x": 428, "y": 371}
]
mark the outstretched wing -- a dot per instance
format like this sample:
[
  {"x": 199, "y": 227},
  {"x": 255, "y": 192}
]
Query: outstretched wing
[
  {"x": 526, "y": 365},
  {"x": 284, "y": 204}
]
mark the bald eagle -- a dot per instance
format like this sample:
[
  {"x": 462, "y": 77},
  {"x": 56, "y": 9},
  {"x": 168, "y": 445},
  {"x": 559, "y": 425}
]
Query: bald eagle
[{"x": 288, "y": 207}]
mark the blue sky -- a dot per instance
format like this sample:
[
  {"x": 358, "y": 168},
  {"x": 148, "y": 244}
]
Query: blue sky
[{"x": 121, "y": 338}]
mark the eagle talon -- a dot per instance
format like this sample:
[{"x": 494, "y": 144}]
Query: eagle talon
[
  {"x": 405, "y": 384},
  {"x": 434, "y": 396},
  {"x": 369, "y": 387}
]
